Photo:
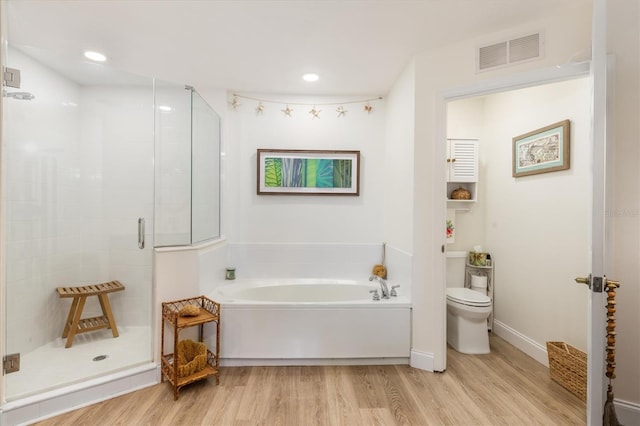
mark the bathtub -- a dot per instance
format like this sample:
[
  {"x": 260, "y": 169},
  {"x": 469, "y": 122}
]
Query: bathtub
[{"x": 311, "y": 322}]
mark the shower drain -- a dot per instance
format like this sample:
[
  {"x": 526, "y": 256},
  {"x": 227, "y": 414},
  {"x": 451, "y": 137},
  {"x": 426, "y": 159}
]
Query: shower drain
[{"x": 100, "y": 357}]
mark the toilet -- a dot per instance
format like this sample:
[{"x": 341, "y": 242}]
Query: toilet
[{"x": 467, "y": 312}]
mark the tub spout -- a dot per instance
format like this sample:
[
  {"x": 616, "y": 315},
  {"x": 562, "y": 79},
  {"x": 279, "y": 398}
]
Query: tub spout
[{"x": 383, "y": 285}]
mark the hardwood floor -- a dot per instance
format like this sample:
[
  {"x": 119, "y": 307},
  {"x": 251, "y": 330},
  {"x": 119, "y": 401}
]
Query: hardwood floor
[{"x": 505, "y": 387}]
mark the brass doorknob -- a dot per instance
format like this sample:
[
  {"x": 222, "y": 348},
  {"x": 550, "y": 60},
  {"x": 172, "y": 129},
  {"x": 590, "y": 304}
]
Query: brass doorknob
[{"x": 583, "y": 280}]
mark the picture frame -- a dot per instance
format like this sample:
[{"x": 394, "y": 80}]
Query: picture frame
[
  {"x": 308, "y": 172},
  {"x": 543, "y": 150}
]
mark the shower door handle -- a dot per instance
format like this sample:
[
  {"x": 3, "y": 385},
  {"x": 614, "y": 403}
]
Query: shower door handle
[{"x": 141, "y": 233}]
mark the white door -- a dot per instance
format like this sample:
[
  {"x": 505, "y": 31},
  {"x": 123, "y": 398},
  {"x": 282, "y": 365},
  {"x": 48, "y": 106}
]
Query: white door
[{"x": 599, "y": 259}]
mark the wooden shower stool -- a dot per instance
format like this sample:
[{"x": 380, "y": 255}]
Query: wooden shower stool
[{"x": 75, "y": 324}]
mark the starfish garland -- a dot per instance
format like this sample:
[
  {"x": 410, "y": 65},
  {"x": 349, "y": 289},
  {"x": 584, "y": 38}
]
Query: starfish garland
[
  {"x": 287, "y": 111},
  {"x": 235, "y": 103},
  {"x": 315, "y": 112}
]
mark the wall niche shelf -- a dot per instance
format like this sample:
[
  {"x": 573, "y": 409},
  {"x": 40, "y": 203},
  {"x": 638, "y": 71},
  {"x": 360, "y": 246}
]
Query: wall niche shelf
[{"x": 461, "y": 205}]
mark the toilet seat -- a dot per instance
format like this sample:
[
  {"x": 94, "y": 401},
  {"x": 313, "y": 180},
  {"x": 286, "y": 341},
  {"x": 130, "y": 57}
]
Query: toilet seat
[{"x": 468, "y": 297}]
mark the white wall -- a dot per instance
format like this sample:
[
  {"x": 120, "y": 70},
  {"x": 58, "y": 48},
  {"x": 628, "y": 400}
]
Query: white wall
[
  {"x": 537, "y": 227},
  {"x": 398, "y": 182},
  {"x": 40, "y": 251},
  {"x": 437, "y": 71},
  {"x": 291, "y": 219},
  {"x": 398, "y": 147}
]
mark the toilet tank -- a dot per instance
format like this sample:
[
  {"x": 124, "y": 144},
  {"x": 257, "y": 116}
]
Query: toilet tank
[{"x": 456, "y": 261}]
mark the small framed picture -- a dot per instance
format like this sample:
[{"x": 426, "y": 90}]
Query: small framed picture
[{"x": 543, "y": 150}]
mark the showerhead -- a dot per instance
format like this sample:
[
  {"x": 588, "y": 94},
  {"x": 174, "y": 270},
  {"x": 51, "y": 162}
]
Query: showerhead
[{"x": 22, "y": 96}]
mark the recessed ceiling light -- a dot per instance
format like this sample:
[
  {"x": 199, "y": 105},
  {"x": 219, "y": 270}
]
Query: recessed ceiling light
[
  {"x": 165, "y": 108},
  {"x": 310, "y": 77},
  {"x": 95, "y": 56}
]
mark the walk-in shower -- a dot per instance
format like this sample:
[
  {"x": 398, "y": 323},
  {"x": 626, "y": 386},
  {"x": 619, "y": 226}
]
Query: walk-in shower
[
  {"x": 95, "y": 153},
  {"x": 77, "y": 174}
]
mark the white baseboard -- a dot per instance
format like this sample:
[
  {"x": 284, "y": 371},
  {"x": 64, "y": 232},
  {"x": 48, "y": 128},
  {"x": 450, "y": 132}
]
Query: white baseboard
[
  {"x": 530, "y": 347},
  {"x": 628, "y": 413},
  {"x": 421, "y": 360},
  {"x": 49, "y": 404}
]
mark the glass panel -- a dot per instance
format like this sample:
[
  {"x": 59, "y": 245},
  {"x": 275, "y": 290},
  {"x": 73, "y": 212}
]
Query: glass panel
[
  {"x": 187, "y": 167},
  {"x": 205, "y": 191},
  {"x": 77, "y": 170},
  {"x": 173, "y": 165}
]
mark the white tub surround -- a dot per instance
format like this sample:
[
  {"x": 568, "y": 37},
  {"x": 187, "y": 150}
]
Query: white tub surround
[
  {"x": 311, "y": 322},
  {"x": 317, "y": 260}
]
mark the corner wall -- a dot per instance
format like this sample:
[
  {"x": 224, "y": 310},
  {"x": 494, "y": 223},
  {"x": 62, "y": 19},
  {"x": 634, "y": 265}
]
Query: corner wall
[{"x": 398, "y": 154}]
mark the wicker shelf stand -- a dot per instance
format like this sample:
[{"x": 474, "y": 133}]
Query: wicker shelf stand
[{"x": 209, "y": 314}]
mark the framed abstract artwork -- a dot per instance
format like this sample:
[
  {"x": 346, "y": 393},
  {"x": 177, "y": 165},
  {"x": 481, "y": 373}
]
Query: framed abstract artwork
[
  {"x": 308, "y": 172},
  {"x": 542, "y": 150}
]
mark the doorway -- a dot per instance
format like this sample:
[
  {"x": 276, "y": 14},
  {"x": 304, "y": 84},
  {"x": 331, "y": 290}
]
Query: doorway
[
  {"x": 517, "y": 81},
  {"x": 528, "y": 224}
]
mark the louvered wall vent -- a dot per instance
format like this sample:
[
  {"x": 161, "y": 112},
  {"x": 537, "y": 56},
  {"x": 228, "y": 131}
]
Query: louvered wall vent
[{"x": 511, "y": 51}]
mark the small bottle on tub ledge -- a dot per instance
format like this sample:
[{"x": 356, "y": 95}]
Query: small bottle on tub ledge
[{"x": 230, "y": 274}]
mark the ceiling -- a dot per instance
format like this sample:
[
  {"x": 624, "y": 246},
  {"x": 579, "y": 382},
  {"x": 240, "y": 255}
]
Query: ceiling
[{"x": 358, "y": 47}]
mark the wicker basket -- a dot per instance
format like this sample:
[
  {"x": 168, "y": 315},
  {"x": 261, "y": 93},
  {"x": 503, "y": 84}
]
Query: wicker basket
[
  {"x": 568, "y": 367},
  {"x": 192, "y": 357},
  {"x": 460, "y": 194}
]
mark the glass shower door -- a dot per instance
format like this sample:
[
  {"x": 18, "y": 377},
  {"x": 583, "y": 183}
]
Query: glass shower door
[{"x": 77, "y": 173}]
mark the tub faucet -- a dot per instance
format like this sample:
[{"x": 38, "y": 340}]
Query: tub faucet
[{"x": 383, "y": 285}]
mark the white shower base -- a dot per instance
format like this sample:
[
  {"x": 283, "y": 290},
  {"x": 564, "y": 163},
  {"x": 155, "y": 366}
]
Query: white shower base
[{"x": 52, "y": 365}]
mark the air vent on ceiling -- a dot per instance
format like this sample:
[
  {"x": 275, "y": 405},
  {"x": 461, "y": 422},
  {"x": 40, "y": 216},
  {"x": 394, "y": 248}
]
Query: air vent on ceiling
[{"x": 508, "y": 52}]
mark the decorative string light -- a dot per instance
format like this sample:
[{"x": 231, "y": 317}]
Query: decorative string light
[{"x": 314, "y": 111}]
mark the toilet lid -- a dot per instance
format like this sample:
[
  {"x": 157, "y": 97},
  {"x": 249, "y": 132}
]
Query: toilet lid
[{"x": 468, "y": 297}]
